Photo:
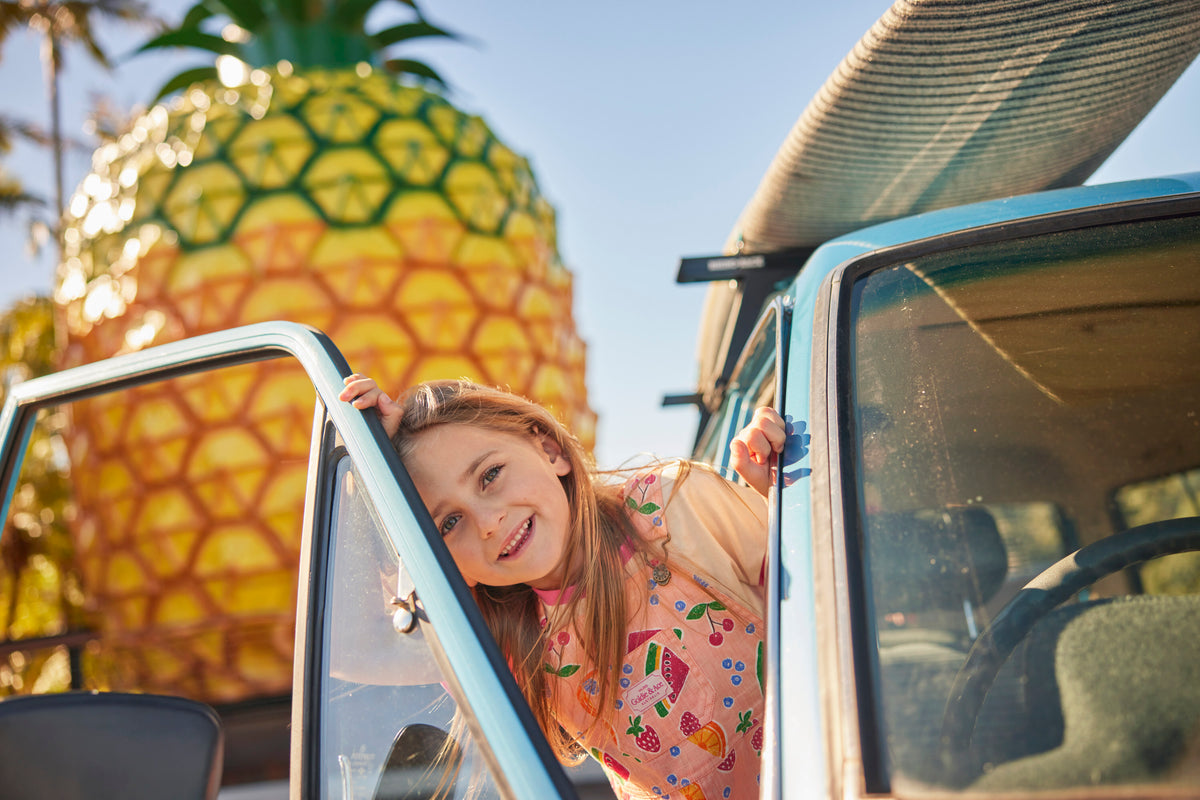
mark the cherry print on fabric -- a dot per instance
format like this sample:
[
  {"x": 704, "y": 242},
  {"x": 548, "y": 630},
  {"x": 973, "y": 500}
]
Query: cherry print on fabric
[
  {"x": 719, "y": 625},
  {"x": 636, "y": 498},
  {"x": 559, "y": 641}
]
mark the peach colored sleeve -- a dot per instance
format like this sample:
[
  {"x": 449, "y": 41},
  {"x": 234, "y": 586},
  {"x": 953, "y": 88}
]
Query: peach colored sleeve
[{"x": 720, "y": 528}]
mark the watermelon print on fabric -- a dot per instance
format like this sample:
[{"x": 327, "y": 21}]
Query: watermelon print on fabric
[{"x": 687, "y": 719}]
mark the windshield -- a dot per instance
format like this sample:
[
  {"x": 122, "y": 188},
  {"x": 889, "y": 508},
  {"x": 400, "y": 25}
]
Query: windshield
[{"x": 1013, "y": 402}]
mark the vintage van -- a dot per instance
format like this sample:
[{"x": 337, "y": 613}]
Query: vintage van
[
  {"x": 982, "y": 577},
  {"x": 979, "y": 571}
]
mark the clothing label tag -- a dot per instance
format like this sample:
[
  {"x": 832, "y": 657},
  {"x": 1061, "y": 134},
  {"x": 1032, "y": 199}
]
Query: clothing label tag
[{"x": 648, "y": 691}]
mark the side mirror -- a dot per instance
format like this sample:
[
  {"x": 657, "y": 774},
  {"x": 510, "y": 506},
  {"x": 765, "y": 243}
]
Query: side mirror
[{"x": 423, "y": 764}]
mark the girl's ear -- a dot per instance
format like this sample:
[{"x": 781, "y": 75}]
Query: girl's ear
[{"x": 554, "y": 452}]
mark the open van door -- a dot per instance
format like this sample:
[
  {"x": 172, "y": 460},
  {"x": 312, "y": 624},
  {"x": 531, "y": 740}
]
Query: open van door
[{"x": 399, "y": 689}]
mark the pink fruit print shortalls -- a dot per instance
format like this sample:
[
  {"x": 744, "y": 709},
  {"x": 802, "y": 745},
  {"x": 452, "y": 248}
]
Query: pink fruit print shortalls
[{"x": 686, "y": 722}]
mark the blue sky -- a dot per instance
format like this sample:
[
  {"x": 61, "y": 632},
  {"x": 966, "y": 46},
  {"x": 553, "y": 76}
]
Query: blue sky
[{"x": 648, "y": 124}]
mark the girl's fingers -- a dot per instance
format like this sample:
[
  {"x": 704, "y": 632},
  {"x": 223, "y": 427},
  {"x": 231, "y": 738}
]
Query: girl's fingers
[
  {"x": 757, "y": 475},
  {"x": 363, "y": 393},
  {"x": 764, "y": 435},
  {"x": 357, "y": 386},
  {"x": 771, "y": 425},
  {"x": 751, "y": 449},
  {"x": 757, "y": 446}
]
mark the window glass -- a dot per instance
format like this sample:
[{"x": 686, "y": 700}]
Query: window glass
[
  {"x": 1174, "y": 496},
  {"x": 1000, "y": 392},
  {"x": 40, "y": 591},
  {"x": 751, "y": 385},
  {"x": 388, "y": 724}
]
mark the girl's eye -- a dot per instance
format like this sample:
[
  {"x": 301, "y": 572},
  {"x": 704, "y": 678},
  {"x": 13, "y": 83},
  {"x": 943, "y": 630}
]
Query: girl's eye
[
  {"x": 448, "y": 524},
  {"x": 490, "y": 475}
]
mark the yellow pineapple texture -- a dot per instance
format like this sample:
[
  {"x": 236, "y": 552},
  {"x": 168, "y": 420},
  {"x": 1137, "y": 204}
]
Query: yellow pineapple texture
[{"x": 376, "y": 212}]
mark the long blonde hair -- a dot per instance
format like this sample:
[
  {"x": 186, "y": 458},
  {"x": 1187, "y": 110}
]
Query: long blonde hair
[{"x": 600, "y": 528}]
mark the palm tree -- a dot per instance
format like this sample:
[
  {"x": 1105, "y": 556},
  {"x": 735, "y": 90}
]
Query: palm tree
[{"x": 62, "y": 22}]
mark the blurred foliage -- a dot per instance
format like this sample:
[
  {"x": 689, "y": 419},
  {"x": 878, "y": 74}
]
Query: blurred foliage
[
  {"x": 13, "y": 197},
  {"x": 40, "y": 594},
  {"x": 1177, "y": 574},
  {"x": 58, "y": 24},
  {"x": 1170, "y": 497}
]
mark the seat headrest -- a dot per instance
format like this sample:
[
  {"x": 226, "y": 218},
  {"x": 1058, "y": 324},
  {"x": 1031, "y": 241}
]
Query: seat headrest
[
  {"x": 934, "y": 560},
  {"x": 81, "y": 745}
]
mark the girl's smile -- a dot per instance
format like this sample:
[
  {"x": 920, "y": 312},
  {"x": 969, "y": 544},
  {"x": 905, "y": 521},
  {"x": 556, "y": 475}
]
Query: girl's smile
[
  {"x": 497, "y": 499},
  {"x": 517, "y": 541}
]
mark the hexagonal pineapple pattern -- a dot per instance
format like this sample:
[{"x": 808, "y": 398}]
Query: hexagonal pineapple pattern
[{"x": 375, "y": 212}]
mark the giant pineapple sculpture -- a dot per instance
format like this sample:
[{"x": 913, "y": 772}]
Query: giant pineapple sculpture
[{"x": 318, "y": 189}]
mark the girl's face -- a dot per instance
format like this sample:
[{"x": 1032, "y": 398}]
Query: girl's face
[{"x": 497, "y": 500}]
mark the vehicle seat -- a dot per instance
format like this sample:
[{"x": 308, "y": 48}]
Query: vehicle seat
[
  {"x": 95, "y": 745},
  {"x": 1126, "y": 672},
  {"x": 928, "y": 561},
  {"x": 929, "y": 570}
]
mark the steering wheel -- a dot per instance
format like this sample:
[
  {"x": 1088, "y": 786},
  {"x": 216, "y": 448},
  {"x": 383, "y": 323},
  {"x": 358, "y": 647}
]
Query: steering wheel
[{"x": 1038, "y": 598}]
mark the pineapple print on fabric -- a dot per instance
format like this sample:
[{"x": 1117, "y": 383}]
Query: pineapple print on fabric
[{"x": 687, "y": 719}]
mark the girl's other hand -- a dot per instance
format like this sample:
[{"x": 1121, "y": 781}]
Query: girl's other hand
[
  {"x": 363, "y": 393},
  {"x": 750, "y": 451}
]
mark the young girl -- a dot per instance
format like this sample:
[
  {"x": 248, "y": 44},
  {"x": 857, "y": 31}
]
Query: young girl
[{"x": 629, "y": 611}]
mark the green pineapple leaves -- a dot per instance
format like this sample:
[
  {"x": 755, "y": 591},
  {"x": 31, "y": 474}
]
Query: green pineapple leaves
[
  {"x": 307, "y": 33},
  {"x": 185, "y": 79},
  {"x": 194, "y": 37},
  {"x": 251, "y": 14},
  {"x": 353, "y": 13},
  {"x": 406, "y": 66},
  {"x": 407, "y": 32}
]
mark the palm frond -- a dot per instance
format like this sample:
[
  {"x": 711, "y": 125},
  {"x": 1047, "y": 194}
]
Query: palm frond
[
  {"x": 11, "y": 126},
  {"x": 8, "y": 19},
  {"x": 13, "y": 198},
  {"x": 71, "y": 21},
  {"x": 132, "y": 11},
  {"x": 84, "y": 35}
]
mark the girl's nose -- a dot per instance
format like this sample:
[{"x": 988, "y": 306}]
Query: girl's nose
[{"x": 489, "y": 519}]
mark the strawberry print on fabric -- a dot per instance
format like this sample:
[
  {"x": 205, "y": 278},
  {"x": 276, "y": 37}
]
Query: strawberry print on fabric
[{"x": 645, "y": 736}]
